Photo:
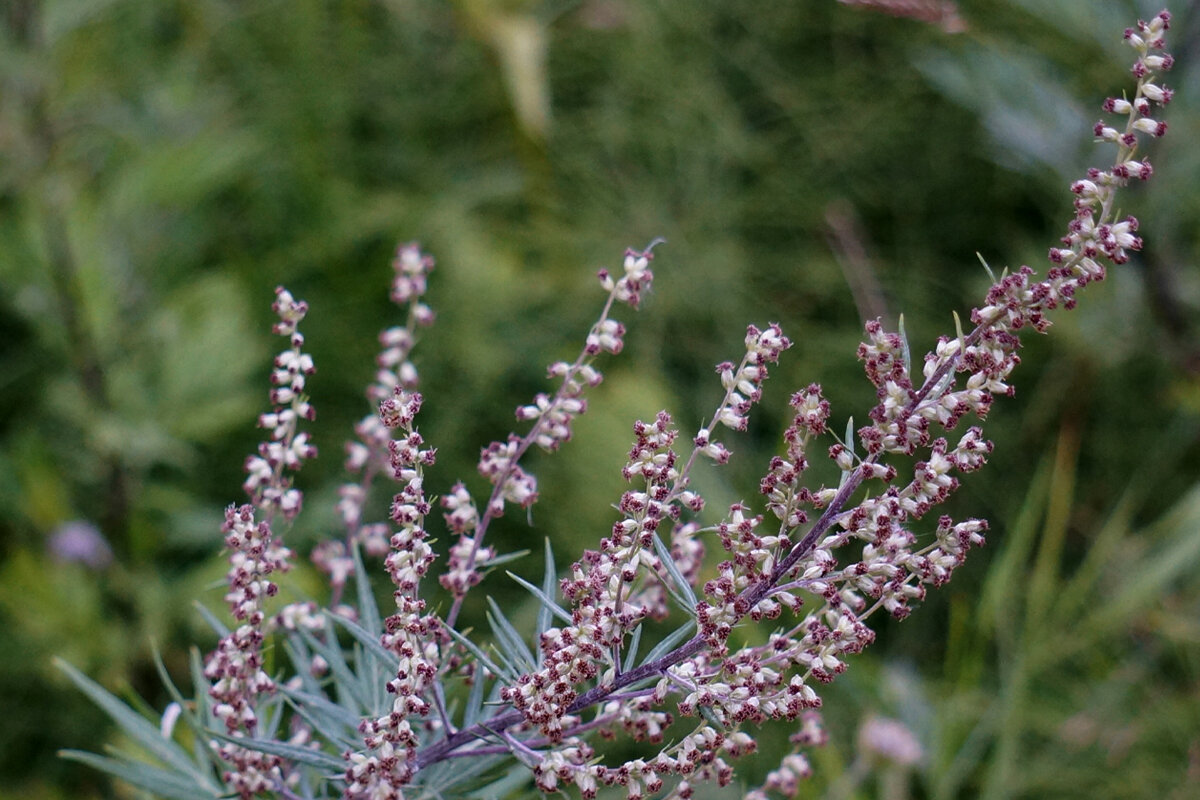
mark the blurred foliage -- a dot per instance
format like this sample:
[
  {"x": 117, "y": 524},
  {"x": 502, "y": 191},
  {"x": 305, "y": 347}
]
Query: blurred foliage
[{"x": 166, "y": 163}]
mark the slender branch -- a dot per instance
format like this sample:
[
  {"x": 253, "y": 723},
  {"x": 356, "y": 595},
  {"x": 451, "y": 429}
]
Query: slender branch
[{"x": 753, "y": 595}]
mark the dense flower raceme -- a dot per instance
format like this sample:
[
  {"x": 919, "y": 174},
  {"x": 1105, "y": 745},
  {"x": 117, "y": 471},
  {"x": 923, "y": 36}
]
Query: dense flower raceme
[
  {"x": 368, "y": 456},
  {"x": 256, "y": 553},
  {"x": 822, "y": 561},
  {"x": 389, "y": 759}
]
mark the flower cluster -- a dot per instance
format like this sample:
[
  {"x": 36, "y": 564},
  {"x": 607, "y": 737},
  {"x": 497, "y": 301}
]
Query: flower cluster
[
  {"x": 767, "y": 569},
  {"x": 822, "y": 560},
  {"x": 794, "y": 767},
  {"x": 256, "y": 553},
  {"x": 743, "y": 387},
  {"x": 551, "y": 417},
  {"x": 235, "y": 667},
  {"x": 389, "y": 759},
  {"x": 464, "y": 560},
  {"x": 602, "y": 589},
  {"x": 367, "y": 456},
  {"x": 267, "y": 474}
]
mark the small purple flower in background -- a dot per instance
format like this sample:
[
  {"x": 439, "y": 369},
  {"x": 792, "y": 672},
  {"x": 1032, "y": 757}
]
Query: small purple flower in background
[
  {"x": 80, "y": 541},
  {"x": 883, "y": 738},
  {"x": 937, "y": 12}
]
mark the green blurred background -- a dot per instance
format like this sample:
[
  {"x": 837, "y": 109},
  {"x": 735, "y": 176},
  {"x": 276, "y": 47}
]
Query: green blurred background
[{"x": 163, "y": 165}]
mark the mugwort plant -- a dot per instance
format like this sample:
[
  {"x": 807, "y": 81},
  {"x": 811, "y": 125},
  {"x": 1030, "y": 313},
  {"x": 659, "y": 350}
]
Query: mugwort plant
[{"x": 383, "y": 706}]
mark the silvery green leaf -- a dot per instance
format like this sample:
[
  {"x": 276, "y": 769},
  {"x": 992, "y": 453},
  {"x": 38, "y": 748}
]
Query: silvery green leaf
[
  {"x": 301, "y": 658},
  {"x": 293, "y": 753},
  {"x": 632, "y": 648},
  {"x": 509, "y": 639},
  {"x": 203, "y": 712},
  {"x": 350, "y": 686},
  {"x": 681, "y": 589},
  {"x": 270, "y": 709},
  {"x": 213, "y": 621},
  {"x": 453, "y": 777},
  {"x": 507, "y": 674},
  {"x": 987, "y": 268},
  {"x": 711, "y": 717},
  {"x": 201, "y": 753},
  {"x": 958, "y": 331},
  {"x": 942, "y": 385},
  {"x": 159, "y": 782},
  {"x": 503, "y": 559},
  {"x": 347, "y": 704},
  {"x": 334, "y": 723},
  {"x": 165, "y": 677},
  {"x": 905, "y": 351},
  {"x": 668, "y": 643},
  {"x": 848, "y": 443},
  {"x": 368, "y": 611},
  {"x": 370, "y": 643},
  {"x": 548, "y": 605},
  {"x": 137, "y": 727},
  {"x": 546, "y": 612},
  {"x": 515, "y": 780},
  {"x": 474, "y": 700}
]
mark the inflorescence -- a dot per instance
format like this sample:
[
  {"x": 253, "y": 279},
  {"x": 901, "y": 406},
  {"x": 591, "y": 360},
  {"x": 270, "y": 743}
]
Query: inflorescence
[{"x": 820, "y": 560}]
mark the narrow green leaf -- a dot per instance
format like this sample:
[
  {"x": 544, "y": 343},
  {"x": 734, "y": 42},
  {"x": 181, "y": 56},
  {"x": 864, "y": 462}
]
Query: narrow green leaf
[
  {"x": 293, "y": 753},
  {"x": 270, "y": 708},
  {"x": 682, "y": 587},
  {"x": 474, "y": 700},
  {"x": 141, "y": 730},
  {"x": 711, "y": 717},
  {"x": 1045, "y": 579},
  {"x": 987, "y": 268},
  {"x": 371, "y": 643},
  {"x": 995, "y": 605},
  {"x": 343, "y": 676},
  {"x": 204, "y": 705},
  {"x": 906, "y": 353},
  {"x": 160, "y": 782},
  {"x": 373, "y": 672},
  {"x": 1081, "y": 587},
  {"x": 375, "y": 681},
  {"x": 545, "y": 613},
  {"x": 165, "y": 676},
  {"x": 328, "y": 718},
  {"x": 451, "y": 778},
  {"x": 548, "y": 605},
  {"x": 940, "y": 388},
  {"x": 848, "y": 443},
  {"x": 1142, "y": 582},
  {"x": 509, "y": 638},
  {"x": 200, "y": 684},
  {"x": 503, "y": 559},
  {"x": 632, "y": 648},
  {"x": 368, "y": 611},
  {"x": 188, "y": 711},
  {"x": 507, "y": 674},
  {"x": 311, "y": 687},
  {"x": 219, "y": 627},
  {"x": 668, "y": 644},
  {"x": 302, "y": 660}
]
